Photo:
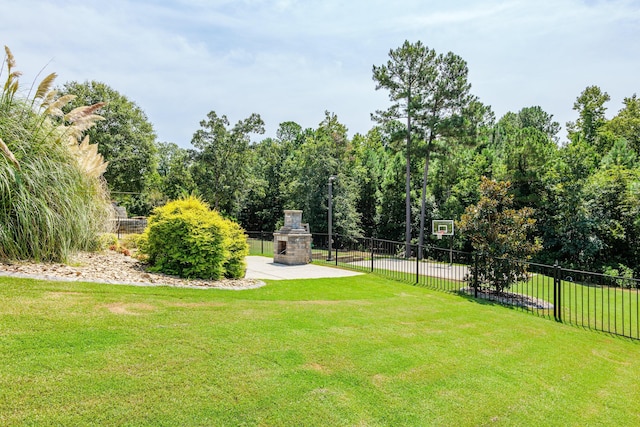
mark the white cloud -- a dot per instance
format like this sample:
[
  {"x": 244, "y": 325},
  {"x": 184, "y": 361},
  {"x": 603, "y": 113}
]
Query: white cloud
[{"x": 291, "y": 60}]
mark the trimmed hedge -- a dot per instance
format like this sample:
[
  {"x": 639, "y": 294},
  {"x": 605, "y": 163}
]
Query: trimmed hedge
[{"x": 187, "y": 239}]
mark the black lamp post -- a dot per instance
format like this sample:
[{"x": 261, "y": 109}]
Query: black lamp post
[{"x": 331, "y": 179}]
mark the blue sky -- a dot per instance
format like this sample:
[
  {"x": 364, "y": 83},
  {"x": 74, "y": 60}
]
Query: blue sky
[{"x": 291, "y": 60}]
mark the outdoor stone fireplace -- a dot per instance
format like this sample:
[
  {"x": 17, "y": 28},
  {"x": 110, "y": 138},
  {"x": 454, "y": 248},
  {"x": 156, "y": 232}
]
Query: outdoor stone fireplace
[{"x": 292, "y": 243}]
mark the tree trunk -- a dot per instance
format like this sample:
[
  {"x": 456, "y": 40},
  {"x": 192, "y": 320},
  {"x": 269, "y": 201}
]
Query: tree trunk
[
  {"x": 423, "y": 204},
  {"x": 407, "y": 247}
]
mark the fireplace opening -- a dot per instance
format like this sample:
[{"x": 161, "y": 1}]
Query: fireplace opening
[{"x": 282, "y": 247}]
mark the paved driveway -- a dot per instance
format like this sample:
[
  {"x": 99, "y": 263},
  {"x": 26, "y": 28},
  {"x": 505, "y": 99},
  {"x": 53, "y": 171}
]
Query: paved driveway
[{"x": 259, "y": 267}]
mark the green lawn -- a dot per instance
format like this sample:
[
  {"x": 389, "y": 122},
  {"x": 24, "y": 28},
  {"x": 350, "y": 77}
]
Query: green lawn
[
  {"x": 599, "y": 307},
  {"x": 265, "y": 248},
  {"x": 361, "y": 351},
  {"x": 260, "y": 247},
  {"x": 610, "y": 309}
]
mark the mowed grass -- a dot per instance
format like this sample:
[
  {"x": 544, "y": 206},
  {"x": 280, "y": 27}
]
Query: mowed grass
[
  {"x": 360, "y": 351},
  {"x": 260, "y": 247},
  {"x": 611, "y": 309}
]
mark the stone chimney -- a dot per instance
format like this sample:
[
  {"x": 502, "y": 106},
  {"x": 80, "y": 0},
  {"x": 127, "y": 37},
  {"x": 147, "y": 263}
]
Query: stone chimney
[{"x": 292, "y": 243}]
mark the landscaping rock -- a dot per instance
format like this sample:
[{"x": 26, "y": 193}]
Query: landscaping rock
[{"x": 114, "y": 268}]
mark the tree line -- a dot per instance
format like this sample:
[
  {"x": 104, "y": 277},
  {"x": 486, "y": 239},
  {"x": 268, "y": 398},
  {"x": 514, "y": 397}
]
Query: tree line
[{"x": 423, "y": 159}]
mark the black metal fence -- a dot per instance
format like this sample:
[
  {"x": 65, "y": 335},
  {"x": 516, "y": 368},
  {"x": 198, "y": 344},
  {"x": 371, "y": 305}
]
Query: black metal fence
[
  {"x": 122, "y": 226},
  {"x": 586, "y": 299}
]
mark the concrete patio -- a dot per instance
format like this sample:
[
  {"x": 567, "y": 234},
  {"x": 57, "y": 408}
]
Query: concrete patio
[{"x": 259, "y": 267}]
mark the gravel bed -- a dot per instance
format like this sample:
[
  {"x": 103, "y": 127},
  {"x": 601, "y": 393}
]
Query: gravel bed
[
  {"x": 114, "y": 268},
  {"x": 510, "y": 298}
]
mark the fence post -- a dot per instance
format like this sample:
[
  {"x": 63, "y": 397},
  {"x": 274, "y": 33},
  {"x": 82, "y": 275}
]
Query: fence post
[
  {"x": 336, "y": 255},
  {"x": 417, "y": 265},
  {"x": 372, "y": 254},
  {"x": 475, "y": 275},
  {"x": 556, "y": 275},
  {"x": 559, "y": 301},
  {"x": 261, "y": 243}
]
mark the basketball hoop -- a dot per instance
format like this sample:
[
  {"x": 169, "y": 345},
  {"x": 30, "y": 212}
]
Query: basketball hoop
[{"x": 444, "y": 227}]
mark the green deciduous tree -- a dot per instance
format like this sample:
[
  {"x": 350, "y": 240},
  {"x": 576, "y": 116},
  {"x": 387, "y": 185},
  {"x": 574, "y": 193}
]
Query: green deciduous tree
[
  {"x": 455, "y": 181},
  {"x": 500, "y": 235},
  {"x": 221, "y": 165},
  {"x": 390, "y": 211},
  {"x": 367, "y": 170},
  {"x": 324, "y": 152},
  {"x": 263, "y": 205},
  {"x": 567, "y": 228},
  {"x": 611, "y": 198},
  {"x": 626, "y": 124},
  {"x": 534, "y": 118},
  {"x": 125, "y": 138},
  {"x": 620, "y": 154},
  {"x": 289, "y": 133},
  {"x": 523, "y": 158},
  {"x": 590, "y": 106},
  {"x": 174, "y": 171}
]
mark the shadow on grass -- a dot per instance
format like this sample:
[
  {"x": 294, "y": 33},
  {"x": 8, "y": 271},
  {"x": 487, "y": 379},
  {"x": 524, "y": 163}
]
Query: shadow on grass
[
  {"x": 482, "y": 301},
  {"x": 517, "y": 302}
]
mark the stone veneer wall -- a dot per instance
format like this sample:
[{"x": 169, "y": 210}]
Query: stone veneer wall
[{"x": 292, "y": 243}]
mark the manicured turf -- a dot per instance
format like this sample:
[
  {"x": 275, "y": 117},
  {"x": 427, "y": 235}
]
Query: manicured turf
[
  {"x": 260, "y": 247},
  {"x": 361, "y": 351},
  {"x": 611, "y": 309}
]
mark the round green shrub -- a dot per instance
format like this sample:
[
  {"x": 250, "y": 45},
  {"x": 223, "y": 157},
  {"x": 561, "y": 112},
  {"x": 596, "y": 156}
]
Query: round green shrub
[
  {"x": 187, "y": 239},
  {"x": 236, "y": 266}
]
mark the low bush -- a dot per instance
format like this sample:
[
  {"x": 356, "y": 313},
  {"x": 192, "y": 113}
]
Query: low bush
[
  {"x": 187, "y": 239},
  {"x": 619, "y": 275},
  {"x": 131, "y": 241},
  {"x": 104, "y": 241}
]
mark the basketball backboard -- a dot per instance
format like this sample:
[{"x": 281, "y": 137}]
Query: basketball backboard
[{"x": 442, "y": 227}]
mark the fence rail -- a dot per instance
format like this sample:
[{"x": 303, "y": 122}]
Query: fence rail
[
  {"x": 122, "y": 226},
  {"x": 586, "y": 299}
]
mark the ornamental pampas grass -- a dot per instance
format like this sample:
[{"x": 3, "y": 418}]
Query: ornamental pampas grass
[{"x": 53, "y": 199}]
